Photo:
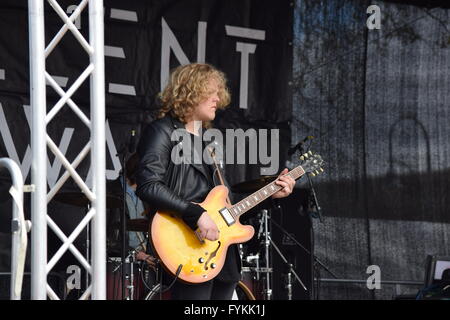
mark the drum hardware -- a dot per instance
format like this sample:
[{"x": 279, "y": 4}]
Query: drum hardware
[
  {"x": 264, "y": 273},
  {"x": 268, "y": 290},
  {"x": 128, "y": 267},
  {"x": 259, "y": 272},
  {"x": 251, "y": 269},
  {"x": 133, "y": 283},
  {"x": 249, "y": 259},
  {"x": 130, "y": 276},
  {"x": 289, "y": 282}
]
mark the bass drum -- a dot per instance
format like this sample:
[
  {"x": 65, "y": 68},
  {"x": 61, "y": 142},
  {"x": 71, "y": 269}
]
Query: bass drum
[{"x": 242, "y": 292}]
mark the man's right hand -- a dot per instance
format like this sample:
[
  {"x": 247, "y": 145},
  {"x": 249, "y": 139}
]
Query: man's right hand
[{"x": 208, "y": 228}]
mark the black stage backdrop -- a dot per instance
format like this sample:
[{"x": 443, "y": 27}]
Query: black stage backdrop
[
  {"x": 251, "y": 41},
  {"x": 377, "y": 102}
]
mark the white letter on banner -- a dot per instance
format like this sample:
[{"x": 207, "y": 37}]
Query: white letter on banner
[
  {"x": 374, "y": 280},
  {"x": 245, "y": 49},
  {"x": 25, "y": 164},
  {"x": 169, "y": 42},
  {"x": 374, "y": 21}
]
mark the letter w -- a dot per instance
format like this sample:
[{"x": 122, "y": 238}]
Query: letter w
[{"x": 25, "y": 164}]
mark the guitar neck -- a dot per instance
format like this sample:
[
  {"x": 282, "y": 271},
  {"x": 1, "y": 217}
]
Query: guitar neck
[{"x": 262, "y": 194}]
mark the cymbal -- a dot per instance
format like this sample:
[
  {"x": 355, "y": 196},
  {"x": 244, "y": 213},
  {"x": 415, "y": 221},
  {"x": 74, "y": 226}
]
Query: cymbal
[
  {"x": 80, "y": 200},
  {"x": 253, "y": 185},
  {"x": 140, "y": 225}
]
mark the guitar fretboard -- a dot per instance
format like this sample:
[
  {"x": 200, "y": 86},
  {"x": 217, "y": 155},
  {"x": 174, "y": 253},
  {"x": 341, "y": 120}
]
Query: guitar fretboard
[{"x": 262, "y": 194}]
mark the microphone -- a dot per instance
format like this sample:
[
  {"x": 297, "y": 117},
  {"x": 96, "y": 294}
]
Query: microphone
[
  {"x": 292, "y": 150},
  {"x": 132, "y": 143}
]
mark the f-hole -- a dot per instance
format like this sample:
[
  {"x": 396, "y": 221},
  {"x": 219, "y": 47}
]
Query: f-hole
[{"x": 212, "y": 255}]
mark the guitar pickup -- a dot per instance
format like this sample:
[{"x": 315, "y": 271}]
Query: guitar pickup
[{"x": 227, "y": 216}]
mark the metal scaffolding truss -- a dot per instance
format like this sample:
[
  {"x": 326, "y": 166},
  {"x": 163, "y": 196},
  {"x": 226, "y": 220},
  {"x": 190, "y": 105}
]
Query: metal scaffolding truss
[{"x": 40, "y": 140}]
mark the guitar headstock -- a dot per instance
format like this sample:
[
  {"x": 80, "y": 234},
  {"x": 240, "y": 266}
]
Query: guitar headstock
[{"x": 312, "y": 163}]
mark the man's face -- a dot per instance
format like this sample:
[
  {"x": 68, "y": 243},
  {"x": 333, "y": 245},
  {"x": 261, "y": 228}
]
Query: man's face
[{"x": 206, "y": 110}]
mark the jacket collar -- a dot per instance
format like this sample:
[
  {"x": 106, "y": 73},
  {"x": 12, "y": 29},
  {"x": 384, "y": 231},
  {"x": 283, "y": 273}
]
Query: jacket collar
[{"x": 177, "y": 124}]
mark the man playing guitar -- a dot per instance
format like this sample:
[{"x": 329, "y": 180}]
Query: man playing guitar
[{"x": 193, "y": 94}]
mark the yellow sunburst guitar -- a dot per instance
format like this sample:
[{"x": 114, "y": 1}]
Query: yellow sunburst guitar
[{"x": 194, "y": 260}]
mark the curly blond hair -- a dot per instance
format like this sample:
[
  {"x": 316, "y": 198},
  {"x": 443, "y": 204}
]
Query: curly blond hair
[{"x": 187, "y": 87}]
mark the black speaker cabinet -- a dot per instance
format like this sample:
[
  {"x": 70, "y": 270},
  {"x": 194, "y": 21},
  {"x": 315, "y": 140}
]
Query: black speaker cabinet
[{"x": 294, "y": 219}]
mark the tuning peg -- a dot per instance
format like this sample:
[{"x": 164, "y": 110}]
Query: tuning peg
[
  {"x": 313, "y": 174},
  {"x": 306, "y": 155},
  {"x": 302, "y": 158},
  {"x": 310, "y": 153},
  {"x": 317, "y": 172},
  {"x": 321, "y": 170}
]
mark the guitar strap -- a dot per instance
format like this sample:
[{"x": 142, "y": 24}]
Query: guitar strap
[{"x": 219, "y": 173}]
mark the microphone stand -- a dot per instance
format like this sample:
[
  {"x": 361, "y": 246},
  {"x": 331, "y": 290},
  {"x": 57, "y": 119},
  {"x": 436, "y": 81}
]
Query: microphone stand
[
  {"x": 123, "y": 178},
  {"x": 126, "y": 150},
  {"x": 316, "y": 202},
  {"x": 123, "y": 217}
]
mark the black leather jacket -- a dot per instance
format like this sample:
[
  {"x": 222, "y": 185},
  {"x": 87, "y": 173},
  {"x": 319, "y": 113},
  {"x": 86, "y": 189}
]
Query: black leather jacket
[
  {"x": 172, "y": 187},
  {"x": 163, "y": 184}
]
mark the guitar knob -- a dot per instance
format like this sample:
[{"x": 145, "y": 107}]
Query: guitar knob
[
  {"x": 201, "y": 260},
  {"x": 213, "y": 265}
]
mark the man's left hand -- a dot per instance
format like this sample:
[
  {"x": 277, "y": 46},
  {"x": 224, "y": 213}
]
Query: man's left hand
[{"x": 286, "y": 182}]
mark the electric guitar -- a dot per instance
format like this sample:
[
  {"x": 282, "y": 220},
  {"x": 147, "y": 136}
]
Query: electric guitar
[{"x": 186, "y": 255}]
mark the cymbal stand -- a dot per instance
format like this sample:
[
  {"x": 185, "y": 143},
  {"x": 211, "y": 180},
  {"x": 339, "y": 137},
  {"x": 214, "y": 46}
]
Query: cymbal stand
[
  {"x": 289, "y": 282},
  {"x": 268, "y": 289},
  {"x": 123, "y": 221},
  {"x": 129, "y": 262}
]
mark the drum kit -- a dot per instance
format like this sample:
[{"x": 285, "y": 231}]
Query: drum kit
[{"x": 142, "y": 271}]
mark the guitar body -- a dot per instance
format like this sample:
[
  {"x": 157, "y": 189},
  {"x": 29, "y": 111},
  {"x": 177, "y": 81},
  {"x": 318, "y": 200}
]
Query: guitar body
[{"x": 175, "y": 243}]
